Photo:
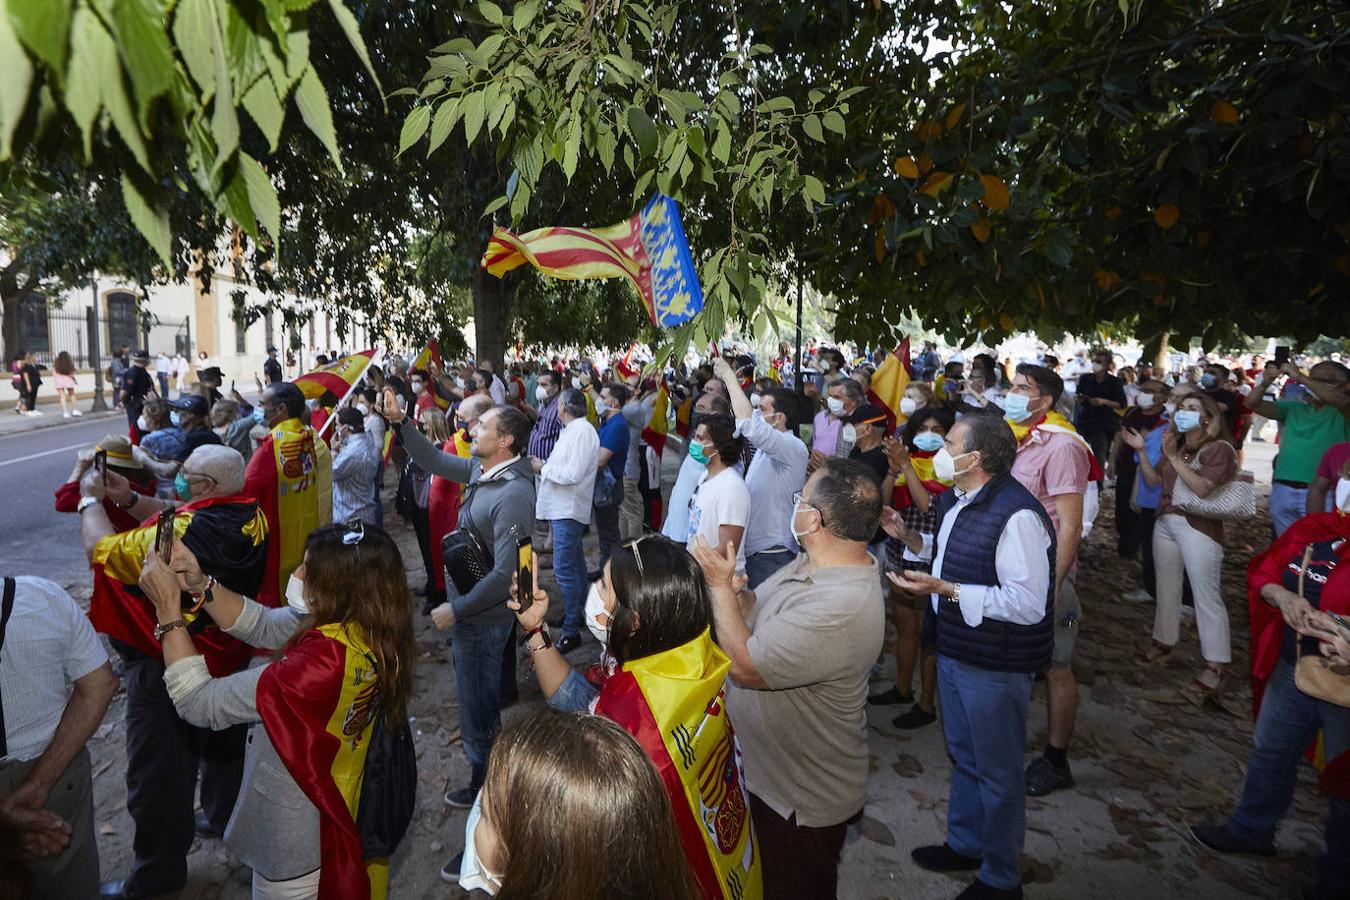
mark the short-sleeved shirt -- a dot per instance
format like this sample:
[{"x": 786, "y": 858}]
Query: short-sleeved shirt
[
  {"x": 49, "y": 645},
  {"x": 1333, "y": 461},
  {"x": 1309, "y": 431},
  {"x": 814, "y": 636},
  {"x": 1217, "y": 463},
  {"x": 1051, "y": 464},
  {"x": 614, "y": 437},
  {"x": 720, "y": 500}
]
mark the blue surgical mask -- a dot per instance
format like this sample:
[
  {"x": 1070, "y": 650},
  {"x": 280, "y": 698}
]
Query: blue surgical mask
[
  {"x": 180, "y": 484},
  {"x": 1016, "y": 408},
  {"x": 1186, "y": 419},
  {"x": 175, "y": 419},
  {"x": 1208, "y": 381},
  {"x": 258, "y": 414},
  {"x": 927, "y": 441}
]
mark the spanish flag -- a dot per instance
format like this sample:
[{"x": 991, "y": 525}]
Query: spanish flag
[
  {"x": 443, "y": 504},
  {"x": 922, "y": 461},
  {"x": 684, "y": 414},
  {"x": 431, "y": 353},
  {"x": 889, "y": 383},
  {"x": 318, "y": 703},
  {"x": 649, "y": 249},
  {"x": 291, "y": 477},
  {"x": 339, "y": 376},
  {"x": 674, "y": 704},
  {"x": 658, "y": 426},
  {"x": 228, "y": 535},
  {"x": 625, "y": 366},
  {"x": 1054, "y": 422}
]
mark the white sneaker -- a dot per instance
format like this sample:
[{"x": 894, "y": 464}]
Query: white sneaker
[
  {"x": 32, "y": 412},
  {"x": 38, "y": 412},
  {"x": 76, "y": 412},
  {"x": 1139, "y": 596}
]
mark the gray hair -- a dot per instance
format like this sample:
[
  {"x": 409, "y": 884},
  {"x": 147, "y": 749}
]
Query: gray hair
[
  {"x": 221, "y": 464},
  {"x": 991, "y": 436},
  {"x": 573, "y": 403},
  {"x": 851, "y": 388}
]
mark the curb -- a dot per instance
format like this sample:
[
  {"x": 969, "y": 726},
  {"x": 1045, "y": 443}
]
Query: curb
[{"x": 56, "y": 421}]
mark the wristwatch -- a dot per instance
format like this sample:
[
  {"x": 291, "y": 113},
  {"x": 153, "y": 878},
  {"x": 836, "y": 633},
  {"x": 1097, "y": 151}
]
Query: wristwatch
[
  {"x": 161, "y": 630},
  {"x": 85, "y": 503},
  {"x": 540, "y": 630},
  {"x": 956, "y": 594}
]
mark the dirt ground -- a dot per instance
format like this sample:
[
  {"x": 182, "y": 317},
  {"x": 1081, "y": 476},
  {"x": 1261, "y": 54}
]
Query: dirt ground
[{"x": 1149, "y": 758}]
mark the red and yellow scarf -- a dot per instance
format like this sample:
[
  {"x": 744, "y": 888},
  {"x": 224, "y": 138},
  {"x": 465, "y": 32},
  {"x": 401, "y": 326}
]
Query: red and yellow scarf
[
  {"x": 922, "y": 461},
  {"x": 1054, "y": 422}
]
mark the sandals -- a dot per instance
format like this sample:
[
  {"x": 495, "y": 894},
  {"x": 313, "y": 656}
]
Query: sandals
[
  {"x": 1209, "y": 680},
  {"x": 1155, "y": 655}
]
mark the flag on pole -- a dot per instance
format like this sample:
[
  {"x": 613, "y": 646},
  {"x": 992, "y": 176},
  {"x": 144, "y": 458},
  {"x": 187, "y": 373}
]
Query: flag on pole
[
  {"x": 658, "y": 427},
  {"x": 339, "y": 376},
  {"x": 625, "y": 366},
  {"x": 649, "y": 249},
  {"x": 431, "y": 353},
  {"x": 889, "y": 383}
]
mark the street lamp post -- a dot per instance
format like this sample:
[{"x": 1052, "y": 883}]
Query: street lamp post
[{"x": 95, "y": 360}]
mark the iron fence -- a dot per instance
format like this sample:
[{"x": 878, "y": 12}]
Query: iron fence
[{"x": 46, "y": 330}]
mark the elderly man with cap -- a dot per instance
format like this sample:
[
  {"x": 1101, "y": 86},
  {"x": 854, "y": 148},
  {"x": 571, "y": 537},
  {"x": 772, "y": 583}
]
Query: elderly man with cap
[
  {"x": 118, "y": 453},
  {"x": 227, "y": 533},
  {"x": 135, "y": 385}
]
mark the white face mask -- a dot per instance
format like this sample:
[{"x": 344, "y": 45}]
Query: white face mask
[
  {"x": 1343, "y": 495},
  {"x": 363, "y": 408},
  {"x": 418, "y": 387},
  {"x": 1145, "y": 400},
  {"x": 798, "y": 535},
  {"x": 142, "y": 425},
  {"x": 295, "y": 595},
  {"x": 944, "y": 464},
  {"x": 541, "y": 393},
  {"x": 473, "y": 875},
  {"x": 849, "y": 434},
  {"x": 908, "y": 406},
  {"x": 835, "y": 405},
  {"x": 595, "y": 608},
  {"x": 1170, "y": 407},
  {"x": 754, "y": 400}
]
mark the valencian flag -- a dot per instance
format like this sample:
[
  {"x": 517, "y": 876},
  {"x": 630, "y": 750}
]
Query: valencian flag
[
  {"x": 674, "y": 704},
  {"x": 431, "y": 353},
  {"x": 649, "y": 249},
  {"x": 291, "y": 476},
  {"x": 889, "y": 382},
  {"x": 318, "y": 703},
  {"x": 228, "y": 535},
  {"x": 339, "y": 376}
]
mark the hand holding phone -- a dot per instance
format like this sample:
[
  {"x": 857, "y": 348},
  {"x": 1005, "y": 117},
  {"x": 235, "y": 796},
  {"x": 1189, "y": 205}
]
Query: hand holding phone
[
  {"x": 1281, "y": 356},
  {"x": 164, "y": 534},
  {"x": 101, "y": 465},
  {"x": 524, "y": 573}
]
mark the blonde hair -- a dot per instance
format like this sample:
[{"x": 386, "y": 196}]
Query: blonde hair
[
  {"x": 1215, "y": 430},
  {"x": 434, "y": 426}
]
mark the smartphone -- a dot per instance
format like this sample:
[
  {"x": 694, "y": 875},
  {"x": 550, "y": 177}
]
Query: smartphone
[
  {"x": 1281, "y": 355},
  {"x": 101, "y": 464},
  {"x": 164, "y": 535},
  {"x": 525, "y": 572}
]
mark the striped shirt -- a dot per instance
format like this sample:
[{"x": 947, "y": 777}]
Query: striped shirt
[{"x": 546, "y": 430}]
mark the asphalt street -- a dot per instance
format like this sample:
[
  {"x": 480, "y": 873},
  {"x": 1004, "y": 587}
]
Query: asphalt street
[{"x": 35, "y": 539}]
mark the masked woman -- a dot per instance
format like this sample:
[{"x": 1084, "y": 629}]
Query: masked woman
[{"x": 346, "y": 659}]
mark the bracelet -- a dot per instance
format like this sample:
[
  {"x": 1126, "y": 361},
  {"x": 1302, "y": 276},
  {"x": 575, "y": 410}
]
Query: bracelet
[
  {"x": 161, "y": 630},
  {"x": 204, "y": 595},
  {"x": 541, "y": 630},
  {"x": 956, "y": 594},
  {"x": 135, "y": 498}
]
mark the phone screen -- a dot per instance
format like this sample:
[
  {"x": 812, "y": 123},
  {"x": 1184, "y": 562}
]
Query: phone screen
[
  {"x": 101, "y": 464},
  {"x": 525, "y": 572},
  {"x": 164, "y": 535},
  {"x": 1281, "y": 355}
]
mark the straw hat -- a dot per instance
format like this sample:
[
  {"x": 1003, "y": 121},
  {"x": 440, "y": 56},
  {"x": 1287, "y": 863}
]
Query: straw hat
[{"x": 118, "y": 447}]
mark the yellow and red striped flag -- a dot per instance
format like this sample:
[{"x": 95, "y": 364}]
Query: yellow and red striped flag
[
  {"x": 657, "y": 427},
  {"x": 338, "y": 376},
  {"x": 431, "y": 353},
  {"x": 889, "y": 383},
  {"x": 649, "y": 249}
]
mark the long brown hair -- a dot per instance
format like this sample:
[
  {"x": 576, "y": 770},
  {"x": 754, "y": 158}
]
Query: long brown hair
[
  {"x": 63, "y": 364},
  {"x": 580, "y": 813},
  {"x": 364, "y": 582}
]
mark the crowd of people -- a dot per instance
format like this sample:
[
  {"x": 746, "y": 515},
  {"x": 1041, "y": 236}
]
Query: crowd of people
[{"x": 244, "y": 575}]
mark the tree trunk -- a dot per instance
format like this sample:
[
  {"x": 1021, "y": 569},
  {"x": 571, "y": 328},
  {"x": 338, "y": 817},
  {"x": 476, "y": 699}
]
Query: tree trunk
[
  {"x": 493, "y": 300},
  {"x": 10, "y": 295}
]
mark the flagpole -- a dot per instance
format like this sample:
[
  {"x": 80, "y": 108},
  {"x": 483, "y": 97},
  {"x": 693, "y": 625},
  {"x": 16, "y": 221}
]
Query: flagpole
[
  {"x": 797, "y": 365},
  {"x": 333, "y": 418}
]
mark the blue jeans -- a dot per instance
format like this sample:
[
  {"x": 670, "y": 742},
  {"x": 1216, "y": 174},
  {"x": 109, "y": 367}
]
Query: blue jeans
[
  {"x": 984, "y": 719},
  {"x": 759, "y": 566},
  {"x": 1287, "y": 506},
  {"x": 477, "y": 651},
  {"x": 1287, "y": 724},
  {"x": 569, "y": 569}
]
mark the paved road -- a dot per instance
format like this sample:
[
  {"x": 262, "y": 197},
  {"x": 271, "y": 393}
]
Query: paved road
[{"x": 35, "y": 539}]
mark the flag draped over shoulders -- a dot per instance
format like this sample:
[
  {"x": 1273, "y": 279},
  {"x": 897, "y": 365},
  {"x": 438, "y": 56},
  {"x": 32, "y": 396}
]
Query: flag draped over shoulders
[
  {"x": 291, "y": 476},
  {"x": 1055, "y": 423},
  {"x": 674, "y": 704},
  {"x": 922, "y": 460},
  {"x": 658, "y": 425},
  {"x": 318, "y": 703}
]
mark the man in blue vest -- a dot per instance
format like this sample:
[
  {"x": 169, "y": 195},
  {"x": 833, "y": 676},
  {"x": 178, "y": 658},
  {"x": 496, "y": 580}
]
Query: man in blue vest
[{"x": 992, "y": 595}]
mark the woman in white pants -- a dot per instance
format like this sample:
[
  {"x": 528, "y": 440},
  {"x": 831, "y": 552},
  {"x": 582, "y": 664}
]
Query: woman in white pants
[{"x": 1196, "y": 451}]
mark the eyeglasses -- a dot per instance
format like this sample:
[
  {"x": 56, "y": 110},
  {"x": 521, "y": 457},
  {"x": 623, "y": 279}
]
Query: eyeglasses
[{"x": 633, "y": 546}]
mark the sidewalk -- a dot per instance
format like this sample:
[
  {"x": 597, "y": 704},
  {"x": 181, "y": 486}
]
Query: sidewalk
[{"x": 13, "y": 423}]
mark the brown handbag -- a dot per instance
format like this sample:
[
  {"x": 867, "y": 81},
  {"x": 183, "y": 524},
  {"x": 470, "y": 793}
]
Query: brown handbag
[{"x": 1313, "y": 674}]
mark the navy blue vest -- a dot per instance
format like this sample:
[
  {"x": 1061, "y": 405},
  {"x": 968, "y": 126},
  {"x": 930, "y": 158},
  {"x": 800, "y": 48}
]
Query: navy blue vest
[{"x": 969, "y": 559}]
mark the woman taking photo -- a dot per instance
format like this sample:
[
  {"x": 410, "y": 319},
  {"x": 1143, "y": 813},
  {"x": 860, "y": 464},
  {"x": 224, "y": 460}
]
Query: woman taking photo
[
  {"x": 662, "y": 674},
  {"x": 64, "y": 367},
  {"x": 1196, "y": 451},
  {"x": 346, "y": 659},
  {"x": 572, "y": 809},
  {"x": 914, "y": 501}
]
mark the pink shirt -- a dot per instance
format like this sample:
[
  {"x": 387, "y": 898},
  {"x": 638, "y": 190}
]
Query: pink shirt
[
  {"x": 1050, "y": 464},
  {"x": 825, "y": 435}
]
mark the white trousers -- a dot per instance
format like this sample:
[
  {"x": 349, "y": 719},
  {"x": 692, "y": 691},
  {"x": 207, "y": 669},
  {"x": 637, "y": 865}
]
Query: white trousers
[
  {"x": 1179, "y": 549},
  {"x": 306, "y": 887}
]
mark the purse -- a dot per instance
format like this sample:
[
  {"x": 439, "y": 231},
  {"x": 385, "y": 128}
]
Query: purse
[
  {"x": 465, "y": 557},
  {"x": 1231, "y": 502},
  {"x": 1313, "y": 674},
  {"x": 388, "y": 790}
]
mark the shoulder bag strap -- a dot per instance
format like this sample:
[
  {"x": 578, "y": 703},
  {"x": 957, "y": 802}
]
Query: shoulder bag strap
[
  {"x": 5, "y": 610},
  {"x": 1302, "y": 571}
]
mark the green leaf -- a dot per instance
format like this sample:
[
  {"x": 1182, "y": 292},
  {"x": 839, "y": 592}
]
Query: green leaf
[
  {"x": 262, "y": 195},
  {"x": 473, "y": 116},
  {"x": 776, "y": 104},
  {"x": 89, "y": 42},
  {"x": 266, "y": 110},
  {"x": 118, "y": 104},
  {"x": 312, "y": 100},
  {"x": 42, "y": 25},
  {"x": 572, "y": 148},
  {"x": 834, "y": 122},
  {"x": 490, "y": 11},
  {"x": 414, "y": 126},
  {"x": 145, "y": 51},
  {"x": 492, "y": 207},
  {"x": 150, "y": 218},
  {"x": 353, "y": 32},
  {"x": 813, "y": 191},
  {"x": 447, "y": 114},
  {"x": 605, "y": 145},
  {"x": 235, "y": 201},
  {"x": 224, "y": 117},
  {"x": 16, "y": 77},
  {"x": 193, "y": 22},
  {"x": 524, "y": 14},
  {"x": 721, "y": 148},
  {"x": 643, "y": 130},
  {"x": 811, "y": 125}
]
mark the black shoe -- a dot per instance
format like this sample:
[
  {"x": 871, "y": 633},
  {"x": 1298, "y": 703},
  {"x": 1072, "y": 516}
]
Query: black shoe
[
  {"x": 122, "y": 890},
  {"x": 941, "y": 858},
  {"x": 567, "y": 644},
  {"x": 462, "y": 798},
  {"x": 917, "y": 717},
  {"x": 1219, "y": 839},
  {"x": 891, "y": 697},
  {"x": 978, "y": 890},
  {"x": 450, "y": 871},
  {"x": 202, "y": 824},
  {"x": 1044, "y": 777}
]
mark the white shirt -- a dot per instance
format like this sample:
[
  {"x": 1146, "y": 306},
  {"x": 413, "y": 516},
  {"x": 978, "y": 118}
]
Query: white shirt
[
  {"x": 676, "y": 526},
  {"x": 567, "y": 481},
  {"x": 720, "y": 500},
  {"x": 49, "y": 645},
  {"x": 163, "y": 364},
  {"x": 498, "y": 391},
  {"x": 777, "y": 471},
  {"x": 1024, "y": 571}
]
